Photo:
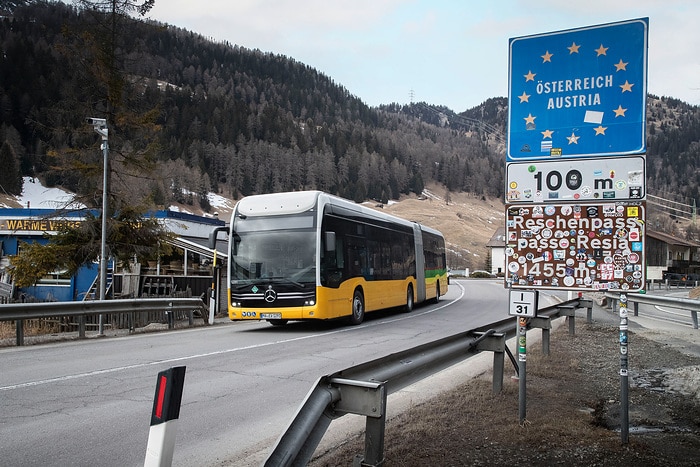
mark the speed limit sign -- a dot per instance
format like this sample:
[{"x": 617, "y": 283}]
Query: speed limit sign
[{"x": 523, "y": 303}]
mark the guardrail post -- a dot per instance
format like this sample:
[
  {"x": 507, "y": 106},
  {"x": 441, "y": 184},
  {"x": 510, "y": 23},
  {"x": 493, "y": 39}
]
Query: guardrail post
[
  {"x": 694, "y": 315},
  {"x": 588, "y": 304},
  {"x": 544, "y": 323},
  {"x": 366, "y": 398},
  {"x": 81, "y": 327},
  {"x": 19, "y": 328},
  {"x": 570, "y": 312},
  {"x": 170, "y": 316},
  {"x": 374, "y": 438},
  {"x": 495, "y": 343},
  {"x": 636, "y": 308}
]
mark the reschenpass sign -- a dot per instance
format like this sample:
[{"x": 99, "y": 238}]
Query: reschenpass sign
[{"x": 576, "y": 246}]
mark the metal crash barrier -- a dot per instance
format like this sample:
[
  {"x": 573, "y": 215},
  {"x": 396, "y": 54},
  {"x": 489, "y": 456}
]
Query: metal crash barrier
[
  {"x": 363, "y": 389},
  {"x": 19, "y": 312},
  {"x": 691, "y": 305}
]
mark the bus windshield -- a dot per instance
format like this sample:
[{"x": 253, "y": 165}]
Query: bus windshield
[{"x": 282, "y": 255}]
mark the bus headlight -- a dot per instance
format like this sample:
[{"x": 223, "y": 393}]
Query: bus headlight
[
  {"x": 309, "y": 302},
  {"x": 236, "y": 304}
]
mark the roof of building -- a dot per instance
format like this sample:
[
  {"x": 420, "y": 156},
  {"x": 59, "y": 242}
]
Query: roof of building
[
  {"x": 671, "y": 240},
  {"x": 498, "y": 240}
]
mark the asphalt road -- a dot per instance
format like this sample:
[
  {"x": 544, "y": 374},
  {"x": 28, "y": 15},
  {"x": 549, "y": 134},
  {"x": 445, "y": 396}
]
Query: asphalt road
[{"x": 89, "y": 402}]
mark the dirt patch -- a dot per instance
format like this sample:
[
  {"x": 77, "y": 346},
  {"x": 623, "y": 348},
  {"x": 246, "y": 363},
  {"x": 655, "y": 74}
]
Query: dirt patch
[{"x": 573, "y": 411}]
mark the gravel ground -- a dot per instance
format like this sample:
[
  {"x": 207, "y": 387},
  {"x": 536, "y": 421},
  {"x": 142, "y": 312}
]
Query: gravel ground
[{"x": 573, "y": 407}]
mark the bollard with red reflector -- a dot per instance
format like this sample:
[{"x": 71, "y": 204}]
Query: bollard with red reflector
[{"x": 166, "y": 411}]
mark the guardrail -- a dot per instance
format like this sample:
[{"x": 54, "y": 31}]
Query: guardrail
[
  {"x": 672, "y": 302},
  {"x": 19, "y": 312},
  {"x": 363, "y": 389}
]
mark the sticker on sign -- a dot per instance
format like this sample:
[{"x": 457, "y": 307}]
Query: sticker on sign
[{"x": 576, "y": 246}]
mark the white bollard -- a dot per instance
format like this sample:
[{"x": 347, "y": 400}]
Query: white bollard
[{"x": 166, "y": 411}]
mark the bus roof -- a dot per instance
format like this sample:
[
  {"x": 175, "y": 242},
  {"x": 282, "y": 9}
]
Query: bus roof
[
  {"x": 272, "y": 204},
  {"x": 296, "y": 202}
]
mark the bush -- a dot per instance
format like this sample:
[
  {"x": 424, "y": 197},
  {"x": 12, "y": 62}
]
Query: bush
[{"x": 481, "y": 275}]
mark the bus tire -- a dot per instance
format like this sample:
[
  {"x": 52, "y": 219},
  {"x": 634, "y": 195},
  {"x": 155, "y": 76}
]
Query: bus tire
[
  {"x": 408, "y": 307},
  {"x": 277, "y": 322},
  {"x": 358, "y": 307},
  {"x": 437, "y": 292}
]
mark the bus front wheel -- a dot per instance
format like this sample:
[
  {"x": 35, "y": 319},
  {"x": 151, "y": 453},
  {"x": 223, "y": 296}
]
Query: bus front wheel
[{"x": 358, "y": 307}]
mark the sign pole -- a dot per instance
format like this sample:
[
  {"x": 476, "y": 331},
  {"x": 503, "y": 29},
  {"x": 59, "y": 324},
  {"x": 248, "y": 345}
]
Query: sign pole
[
  {"x": 523, "y": 304},
  {"x": 624, "y": 381},
  {"x": 522, "y": 369}
]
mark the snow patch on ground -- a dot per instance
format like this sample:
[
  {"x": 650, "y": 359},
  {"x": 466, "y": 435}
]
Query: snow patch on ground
[{"x": 35, "y": 195}]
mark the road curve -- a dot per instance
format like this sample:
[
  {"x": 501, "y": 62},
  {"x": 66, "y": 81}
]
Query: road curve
[{"x": 87, "y": 403}]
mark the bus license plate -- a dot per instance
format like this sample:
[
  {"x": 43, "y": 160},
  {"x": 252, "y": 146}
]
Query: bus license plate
[{"x": 270, "y": 315}]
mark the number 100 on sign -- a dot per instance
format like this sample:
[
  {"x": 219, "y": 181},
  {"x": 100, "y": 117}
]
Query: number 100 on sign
[
  {"x": 592, "y": 179},
  {"x": 523, "y": 303}
]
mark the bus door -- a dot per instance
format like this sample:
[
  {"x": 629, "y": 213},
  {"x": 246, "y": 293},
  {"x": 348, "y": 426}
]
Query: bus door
[{"x": 420, "y": 263}]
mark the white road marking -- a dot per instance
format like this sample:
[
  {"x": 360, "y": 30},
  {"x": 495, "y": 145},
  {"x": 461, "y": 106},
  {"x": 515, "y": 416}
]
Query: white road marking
[{"x": 220, "y": 352}]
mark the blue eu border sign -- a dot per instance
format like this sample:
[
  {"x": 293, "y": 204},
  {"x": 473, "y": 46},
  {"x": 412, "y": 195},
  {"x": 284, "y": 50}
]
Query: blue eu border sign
[{"x": 578, "y": 93}]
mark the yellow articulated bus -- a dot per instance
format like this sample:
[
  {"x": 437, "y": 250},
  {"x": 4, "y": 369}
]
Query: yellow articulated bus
[{"x": 310, "y": 255}]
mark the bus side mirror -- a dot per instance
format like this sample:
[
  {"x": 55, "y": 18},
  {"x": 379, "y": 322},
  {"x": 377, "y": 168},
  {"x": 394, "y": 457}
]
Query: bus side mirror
[
  {"x": 330, "y": 241},
  {"x": 212, "y": 236}
]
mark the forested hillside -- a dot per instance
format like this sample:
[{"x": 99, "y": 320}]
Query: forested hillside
[
  {"x": 193, "y": 116},
  {"x": 229, "y": 119}
]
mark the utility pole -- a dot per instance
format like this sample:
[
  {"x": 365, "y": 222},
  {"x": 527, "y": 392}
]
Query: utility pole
[{"x": 100, "y": 127}]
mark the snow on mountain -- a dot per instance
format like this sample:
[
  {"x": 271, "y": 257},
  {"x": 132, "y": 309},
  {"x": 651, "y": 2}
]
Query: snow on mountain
[{"x": 35, "y": 195}]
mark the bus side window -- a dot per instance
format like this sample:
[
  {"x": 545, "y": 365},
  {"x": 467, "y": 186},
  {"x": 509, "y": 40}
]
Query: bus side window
[{"x": 333, "y": 262}]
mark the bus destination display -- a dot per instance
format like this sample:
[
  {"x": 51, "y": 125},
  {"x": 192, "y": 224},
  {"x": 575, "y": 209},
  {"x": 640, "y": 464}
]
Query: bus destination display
[{"x": 584, "y": 247}]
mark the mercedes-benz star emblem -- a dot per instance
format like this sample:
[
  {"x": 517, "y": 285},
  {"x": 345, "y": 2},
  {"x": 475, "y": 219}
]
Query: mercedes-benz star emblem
[{"x": 270, "y": 295}]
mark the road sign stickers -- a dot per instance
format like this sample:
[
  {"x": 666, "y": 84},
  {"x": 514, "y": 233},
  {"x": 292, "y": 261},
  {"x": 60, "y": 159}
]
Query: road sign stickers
[{"x": 576, "y": 247}]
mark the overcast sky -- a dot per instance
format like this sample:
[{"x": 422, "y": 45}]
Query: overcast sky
[{"x": 443, "y": 52}]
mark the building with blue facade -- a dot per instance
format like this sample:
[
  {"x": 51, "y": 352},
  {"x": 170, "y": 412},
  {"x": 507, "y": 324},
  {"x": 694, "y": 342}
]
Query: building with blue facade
[{"x": 18, "y": 226}]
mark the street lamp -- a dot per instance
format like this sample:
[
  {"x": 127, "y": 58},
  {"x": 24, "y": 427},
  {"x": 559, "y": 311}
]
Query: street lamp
[{"x": 100, "y": 127}]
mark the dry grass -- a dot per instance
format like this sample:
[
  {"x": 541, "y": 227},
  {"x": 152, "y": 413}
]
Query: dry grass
[
  {"x": 32, "y": 327},
  {"x": 468, "y": 222}
]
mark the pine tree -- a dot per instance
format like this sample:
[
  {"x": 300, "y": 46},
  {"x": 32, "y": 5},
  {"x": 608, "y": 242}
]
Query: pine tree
[{"x": 10, "y": 175}]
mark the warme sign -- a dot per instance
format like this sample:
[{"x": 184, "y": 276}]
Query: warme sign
[{"x": 578, "y": 93}]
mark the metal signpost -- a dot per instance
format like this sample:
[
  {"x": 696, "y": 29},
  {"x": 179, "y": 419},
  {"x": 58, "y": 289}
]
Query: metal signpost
[
  {"x": 576, "y": 168},
  {"x": 523, "y": 304}
]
